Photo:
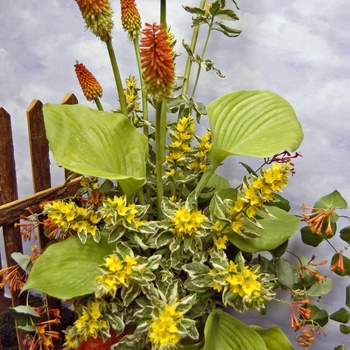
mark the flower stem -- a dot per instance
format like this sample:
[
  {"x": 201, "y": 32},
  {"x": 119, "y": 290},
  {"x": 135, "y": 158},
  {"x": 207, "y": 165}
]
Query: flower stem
[
  {"x": 117, "y": 77},
  {"x": 193, "y": 47},
  {"x": 163, "y": 13},
  {"x": 98, "y": 104},
  {"x": 160, "y": 152},
  {"x": 202, "y": 56}
]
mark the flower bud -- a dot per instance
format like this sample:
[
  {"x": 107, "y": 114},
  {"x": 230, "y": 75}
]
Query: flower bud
[{"x": 131, "y": 20}]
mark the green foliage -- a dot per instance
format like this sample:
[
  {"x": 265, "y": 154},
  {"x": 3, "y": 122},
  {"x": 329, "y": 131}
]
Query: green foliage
[{"x": 96, "y": 143}]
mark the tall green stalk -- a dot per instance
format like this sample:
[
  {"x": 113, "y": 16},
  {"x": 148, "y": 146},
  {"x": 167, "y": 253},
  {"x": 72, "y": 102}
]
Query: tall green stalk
[
  {"x": 163, "y": 12},
  {"x": 117, "y": 77},
  {"x": 193, "y": 48},
  {"x": 202, "y": 56},
  {"x": 160, "y": 152}
]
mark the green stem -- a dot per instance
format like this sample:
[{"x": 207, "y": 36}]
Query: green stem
[
  {"x": 202, "y": 56},
  {"x": 144, "y": 95},
  {"x": 98, "y": 104},
  {"x": 193, "y": 48},
  {"x": 204, "y": 180},
  {"x": 117, "y": 77},
  {"x": 163, "y": 12},
  {"x": 160, "y": 152}
]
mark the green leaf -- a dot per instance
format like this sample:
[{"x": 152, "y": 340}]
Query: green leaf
[
  {"x": 310, "y": 238},
  {"x": 318, "y": 315},
  {"x": 274, "y": 338},
  {"x": 344, "y": 329},
  {"x": 24, "y": 261},
  {"x": 276, "y": 230},
  {"x": 284, "y": 273},
  {"x": 97, "y": 143},
  {"x": 342, "y": 315},
  {"x": 345, "y": 234},
  {"x": 24, "y": 315},
  {"x": 321, "y": 288},
  {"x": 68, "y": 269},
  {"x": 253, "y": 123},
  {"x": 332, "y": 200},
  {"x": 347, "y": 298},
  {"x": 223, "y": 331}
]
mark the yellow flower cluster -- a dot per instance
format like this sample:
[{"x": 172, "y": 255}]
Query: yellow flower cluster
[
  {"x": 120, "y": 209},
  {"x": 163, "y": 331},
  {"x": 117, "y": 274},
  {"x": 69, "y": 216},
  {"x": 181, "y": 137},
  {"x": 257, "y": 192},
  {"x": 221, "y": 239},
  {"x": 186, "y": 223},
  {"x": 243, "y": 283},
  {"x": 89, "y": 324},
  {"x": 203, "y": 147},
  {"x": 132, "y": 98}
]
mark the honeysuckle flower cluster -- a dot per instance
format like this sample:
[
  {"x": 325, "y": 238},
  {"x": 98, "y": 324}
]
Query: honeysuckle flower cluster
[{"x": 155, "y": 243}]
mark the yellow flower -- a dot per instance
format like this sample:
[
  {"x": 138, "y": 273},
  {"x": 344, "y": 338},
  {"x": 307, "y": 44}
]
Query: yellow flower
[
  {"x": 186, "y": 223},
  {"x": 237, "y": 226},
  {"x": 95, "y": 310},
  {"x": 221, "y": 242},
  {"x": 113, "y": 263}
]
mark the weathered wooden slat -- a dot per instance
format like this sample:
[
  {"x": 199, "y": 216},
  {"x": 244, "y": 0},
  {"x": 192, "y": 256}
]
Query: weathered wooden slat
[
  {"x": 8, "y": 193},
  {"x": 39, "y": 147},
  {"x": 11, "y": 211}
]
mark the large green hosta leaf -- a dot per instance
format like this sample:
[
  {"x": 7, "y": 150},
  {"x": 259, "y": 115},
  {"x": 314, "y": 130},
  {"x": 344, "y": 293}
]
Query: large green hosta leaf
[
  {"x": 276, "y": 230},
  {"x": 223, "y": 331},
  {"x": 252, "y": 123},
  {"x": 97, "y": 143},
  {"x": 68, "y": 269}
]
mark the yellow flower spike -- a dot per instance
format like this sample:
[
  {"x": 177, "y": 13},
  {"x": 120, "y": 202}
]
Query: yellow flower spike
[
  {"x": 131, "y": 20},
  {"x": 90, "y": 86},
  {"x": 98, "y": 17}
]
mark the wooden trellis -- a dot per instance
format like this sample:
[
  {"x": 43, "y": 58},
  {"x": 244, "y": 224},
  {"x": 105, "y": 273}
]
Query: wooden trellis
[{"x": 11, "y": 207}]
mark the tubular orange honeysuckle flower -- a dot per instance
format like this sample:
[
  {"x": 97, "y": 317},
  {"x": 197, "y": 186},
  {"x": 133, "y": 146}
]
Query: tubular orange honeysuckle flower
[
  {"x": 316, "y": 218},
  {"x": 90, "y": 86},
  {"x": 157, "y": 62},
  {"x": 131, "y": 20},
  {"x": 338, "y": 264},
  {"x": 98, "y": 17}
]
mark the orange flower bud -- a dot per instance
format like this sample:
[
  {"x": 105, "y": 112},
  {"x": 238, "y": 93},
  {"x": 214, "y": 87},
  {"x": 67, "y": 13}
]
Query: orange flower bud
[
  {"x": 131, "y": 20},
  {"x": 98, "y": 17},
  {"x": 90, "y": 86},
  {"x": 157, "y": 62}
]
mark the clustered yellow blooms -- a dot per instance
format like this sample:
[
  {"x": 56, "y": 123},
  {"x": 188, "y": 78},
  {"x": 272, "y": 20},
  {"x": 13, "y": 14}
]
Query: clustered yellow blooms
[
  {"x": 181, "y": 137},
  {"x": 115, "y": 275},
  {"x": 221, "y": 239},
  {"x": 203, "y": 147},
  {"x": 119, "y": 209},
  {"x": 259, "y": 190},
  {"x": 132, "y": 97},
  {"x": 243, "y": 283},
  {"x": 89, "y": 324},
  {"x": 69, "y": 216},
  {"x": 163, "y": 331},
  {"x": 186, "y": 223}
]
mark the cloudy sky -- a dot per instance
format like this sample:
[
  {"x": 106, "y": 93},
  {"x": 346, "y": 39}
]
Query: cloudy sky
[{"x": 298, "y": 49}]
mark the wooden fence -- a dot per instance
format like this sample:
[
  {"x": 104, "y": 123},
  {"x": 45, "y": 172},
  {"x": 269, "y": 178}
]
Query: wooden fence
[{"x": 11, "y": 207}]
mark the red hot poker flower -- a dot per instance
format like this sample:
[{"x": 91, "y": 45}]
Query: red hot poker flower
[
  {"x": 90, "y": 86},
  {"x": 98, "y": 17},
  {"x": 131, "y": 20},
  {"x": 157, "y": 61}
]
